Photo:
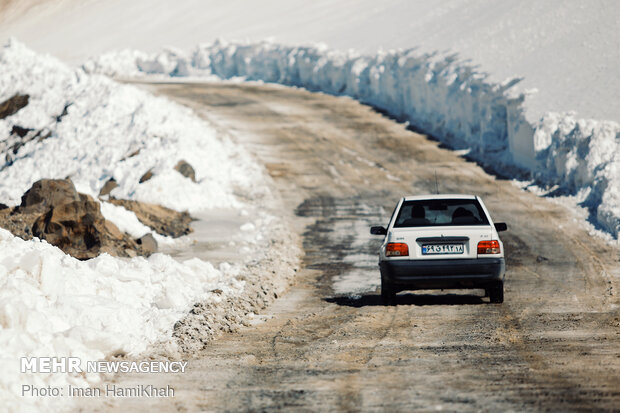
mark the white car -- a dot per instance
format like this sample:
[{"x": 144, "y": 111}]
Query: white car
[{"x": 441, "y": 241}]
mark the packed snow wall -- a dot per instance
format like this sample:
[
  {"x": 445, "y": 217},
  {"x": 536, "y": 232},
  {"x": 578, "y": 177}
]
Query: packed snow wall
[{"x": 437, "y": 94}]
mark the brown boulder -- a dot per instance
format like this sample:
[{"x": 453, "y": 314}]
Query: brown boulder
[
  {"x": 79, "y": 229},
  {"x": 47, "y": 193},
  {"x": 186, "y": 170},
  {"x": 54, "y": 211},
  {"x": 19, "y": 131},
  {"x": 74, "y": 227}
]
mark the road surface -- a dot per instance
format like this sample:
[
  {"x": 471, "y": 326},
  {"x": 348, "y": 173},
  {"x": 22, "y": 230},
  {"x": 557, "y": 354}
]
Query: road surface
[{"x": 329, "y": 344}]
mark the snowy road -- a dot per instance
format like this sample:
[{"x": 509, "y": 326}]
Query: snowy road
[{"x": 329, "y": 345}]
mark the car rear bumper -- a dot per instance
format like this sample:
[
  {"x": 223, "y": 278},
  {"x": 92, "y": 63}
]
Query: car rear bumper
[{"x": 455, "y": 273}]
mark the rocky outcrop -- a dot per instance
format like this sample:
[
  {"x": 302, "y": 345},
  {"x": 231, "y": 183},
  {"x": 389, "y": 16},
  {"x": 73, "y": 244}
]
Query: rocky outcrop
[
  {"x": 164, "y": 221},
  {"x": 79, "y": 229},
  {"x": 20, "y": 131},
  {"x": 48, "y": 193},
  {"x": 53, "y": 210}
]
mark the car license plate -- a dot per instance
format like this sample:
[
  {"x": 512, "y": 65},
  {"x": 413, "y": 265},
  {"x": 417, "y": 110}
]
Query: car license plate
[{"x": 442, "y": 249}]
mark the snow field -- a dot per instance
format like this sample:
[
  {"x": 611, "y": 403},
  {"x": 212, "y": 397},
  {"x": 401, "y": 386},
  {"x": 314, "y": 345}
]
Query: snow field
[{"x": 438, "y": 93}]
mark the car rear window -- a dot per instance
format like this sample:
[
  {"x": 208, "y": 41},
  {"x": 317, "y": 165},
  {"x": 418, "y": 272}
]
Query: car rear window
[{"x": 440, "y": 212}]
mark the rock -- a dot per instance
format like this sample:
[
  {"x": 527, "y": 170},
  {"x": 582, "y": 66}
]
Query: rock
[
  {"x": 164, "y": 221},
  {"x": 130, "y": 253},
  {"x": 47, "y": 193},
  {"x": 13, "y": 105},
  {"x": 148, "y": 244},
  {"x": 73, "y": 222},
  {"x": 53, "y": 210},
  {"x": 76, "y": 227},
  {"x": 108, "y": 187},
  {"x": 43, "y": 134},
  {"x": 131, "y": 155},
  {"x": 64, "y": 113},
  {"x": 113, "y": 231},
  {"x": 19, "y": 131},
  {"x": 148, "y": 175},
  {"x": 3, "y": 206},
  {"x": 186, "y": 170},
  {"x": 79, "y": 229}
]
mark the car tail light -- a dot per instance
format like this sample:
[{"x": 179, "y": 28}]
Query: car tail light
[
  {"x": 488, "y": 247},
  {"x": 396, "y": 249}
]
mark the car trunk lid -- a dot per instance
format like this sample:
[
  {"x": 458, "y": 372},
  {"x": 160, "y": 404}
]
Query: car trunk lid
[{"x": 447, "y": 242}]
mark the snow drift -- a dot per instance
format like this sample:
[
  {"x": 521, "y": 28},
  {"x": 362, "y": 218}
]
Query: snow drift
[
  {"x": 54, "y": 305},
  {"x": 436, "y": 93}
]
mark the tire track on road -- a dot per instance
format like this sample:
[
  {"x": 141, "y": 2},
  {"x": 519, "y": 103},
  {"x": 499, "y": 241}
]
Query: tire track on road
[{"x": 326, "y": 351}]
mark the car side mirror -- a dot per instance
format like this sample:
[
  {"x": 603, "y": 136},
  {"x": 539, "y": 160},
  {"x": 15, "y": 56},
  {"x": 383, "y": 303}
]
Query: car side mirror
[
  {"x": 378, "y": 231},
  {"x": 501, "y": 226}
]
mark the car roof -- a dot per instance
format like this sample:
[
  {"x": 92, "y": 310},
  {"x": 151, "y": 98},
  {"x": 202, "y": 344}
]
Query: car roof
[{"x": 439, "y": 196}]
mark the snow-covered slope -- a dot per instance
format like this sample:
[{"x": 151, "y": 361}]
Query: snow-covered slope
[
  {"x": 567, "y": 49},
  {"x": 54, "y": 305},
  {"x": 112, "y": 130}
]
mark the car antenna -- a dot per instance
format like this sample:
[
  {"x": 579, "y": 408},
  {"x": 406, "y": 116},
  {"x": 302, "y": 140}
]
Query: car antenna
[{"x": 436, "y": 184}]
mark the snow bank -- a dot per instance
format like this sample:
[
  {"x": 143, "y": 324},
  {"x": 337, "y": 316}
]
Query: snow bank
[
  {"x": 54, "y": 305},
  {"x": 437, "y": 93},
  {"x": 582, "y": 157},
  {"x": 112, "y": 130}
]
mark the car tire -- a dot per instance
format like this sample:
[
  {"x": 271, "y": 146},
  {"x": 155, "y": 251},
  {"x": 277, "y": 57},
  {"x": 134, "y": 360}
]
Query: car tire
[
  {"x": 388, "y": 295},
  {"x": 496, "y": 293}
]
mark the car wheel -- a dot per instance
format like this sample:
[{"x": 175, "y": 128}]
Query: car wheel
[
  {"x": 496, "y": 293},
  {"x": 388, "y": 295}
]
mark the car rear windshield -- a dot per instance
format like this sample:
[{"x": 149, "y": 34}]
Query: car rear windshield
[{"x": 440, "y": 212}]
